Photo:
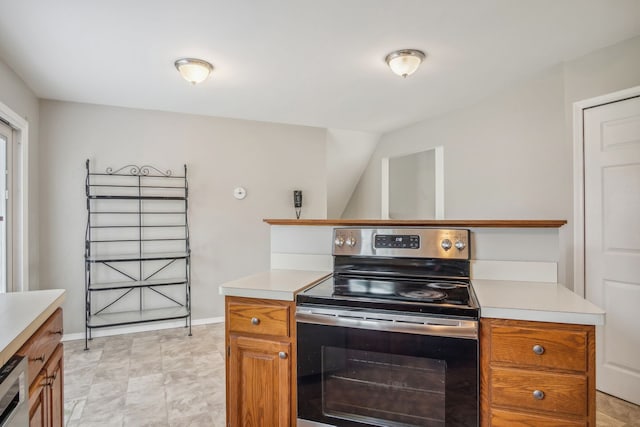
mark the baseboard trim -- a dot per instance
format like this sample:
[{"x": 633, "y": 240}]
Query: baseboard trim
[{"x": 146, "y": 327}]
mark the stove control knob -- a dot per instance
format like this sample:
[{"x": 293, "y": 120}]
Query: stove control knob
[
  {"x": 339, "y": 241},
  {"x": 460, "y": 245},
  {"x": 351, "y": 241},
  {"x": 446, "y": 244}
]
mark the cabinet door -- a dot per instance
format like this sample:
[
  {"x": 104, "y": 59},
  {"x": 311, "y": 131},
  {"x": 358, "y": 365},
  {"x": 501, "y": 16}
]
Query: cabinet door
[
  {"x": 55, "y": 401},
  {"x": 259, "y": 382},
  {"x": 37, "y": 401}
]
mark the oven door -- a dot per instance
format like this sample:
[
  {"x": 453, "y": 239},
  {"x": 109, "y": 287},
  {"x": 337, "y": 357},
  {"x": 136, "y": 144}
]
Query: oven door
[{"x": 372, "y": 369}]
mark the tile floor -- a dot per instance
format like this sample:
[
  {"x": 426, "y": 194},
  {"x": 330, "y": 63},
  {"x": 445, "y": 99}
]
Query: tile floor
[
  {"x": 612, "y": 412},
  {"x": 165, "y": 378},
  {"x": 159, "y": 378}
]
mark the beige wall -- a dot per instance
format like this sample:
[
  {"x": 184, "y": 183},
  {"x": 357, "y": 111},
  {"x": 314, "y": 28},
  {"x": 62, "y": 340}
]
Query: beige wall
[
  {"x": 348, "y": 154},
  {"x": 15, "y": 94},
  {"x": 492, "y": 155},
  {"x": 510, "y": 156},
  {"x": 228, "y": 238},
  {"x": 601, "y": 72}
]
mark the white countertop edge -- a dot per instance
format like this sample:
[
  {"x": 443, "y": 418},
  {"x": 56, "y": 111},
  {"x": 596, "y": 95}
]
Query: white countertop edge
[
  {"x": 543, "y": 316},
  {"x": 535, "y": 301},
  {"x": 257, "y": 293},
  {"x": 275, "y": 284}
]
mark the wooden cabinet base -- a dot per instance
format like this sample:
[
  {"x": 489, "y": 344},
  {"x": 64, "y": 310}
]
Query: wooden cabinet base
[
  {"x": 45, "y": 354},
  {"x": 38, "y": 402},
  {"x": 55, "y": 388},
  {"x": 259, "y": 382},
  {"x": 536, "y": 374},
  {"x": 261, "y": 359}
]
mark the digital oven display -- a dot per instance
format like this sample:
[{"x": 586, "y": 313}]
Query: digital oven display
[{"x": 397, "y": 241}]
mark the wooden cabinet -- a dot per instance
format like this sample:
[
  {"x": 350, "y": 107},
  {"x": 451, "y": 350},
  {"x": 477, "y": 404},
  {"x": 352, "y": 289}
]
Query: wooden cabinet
[
  {"x": 44, "y": 352},
  {"x": 261, "y": 386},
  {"x": 55, "y": 388},
  {"x": 536, "y": 374},
  {"x": 37, "y": 401}
]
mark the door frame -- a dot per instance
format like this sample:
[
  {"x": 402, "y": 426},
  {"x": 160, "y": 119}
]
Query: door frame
[
  {"x": 578, "y": 179},
  {"x": 438, "y": 184},
  {"x": 20, "y": 197}
]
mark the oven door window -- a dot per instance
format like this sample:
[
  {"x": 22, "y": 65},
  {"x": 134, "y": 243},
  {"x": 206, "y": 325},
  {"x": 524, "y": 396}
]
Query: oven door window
[
  {"x": 350, "y": 377},
  {"x": 383, "y": 389}
]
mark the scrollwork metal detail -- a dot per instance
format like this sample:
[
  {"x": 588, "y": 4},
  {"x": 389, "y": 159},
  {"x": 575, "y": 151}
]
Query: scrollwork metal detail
[{"x": 135, "y": 170}]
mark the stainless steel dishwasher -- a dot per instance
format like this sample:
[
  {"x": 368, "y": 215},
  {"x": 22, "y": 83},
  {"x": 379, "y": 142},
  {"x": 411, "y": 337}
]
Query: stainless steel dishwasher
[{"x": 14, "y": 401}]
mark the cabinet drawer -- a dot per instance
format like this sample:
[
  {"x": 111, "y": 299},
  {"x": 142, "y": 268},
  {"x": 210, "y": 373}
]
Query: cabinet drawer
[
  {"x": 260, "y": 319},
  {"x": 562, "y": 393},
  {"x": 42, "y": 343},
  {"x": 501, "y": 418},
  {"x": 548, "y": 348}
]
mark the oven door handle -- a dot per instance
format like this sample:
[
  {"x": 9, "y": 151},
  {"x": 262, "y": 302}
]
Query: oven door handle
[{"x": 419, "y": 325}]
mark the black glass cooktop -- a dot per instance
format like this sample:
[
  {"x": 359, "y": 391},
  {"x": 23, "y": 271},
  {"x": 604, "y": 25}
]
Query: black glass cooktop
[{"x": 438, "y": 297}]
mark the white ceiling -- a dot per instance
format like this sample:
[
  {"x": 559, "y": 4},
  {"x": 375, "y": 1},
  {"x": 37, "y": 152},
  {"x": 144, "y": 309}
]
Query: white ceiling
[{"x": 308, "y": 62}]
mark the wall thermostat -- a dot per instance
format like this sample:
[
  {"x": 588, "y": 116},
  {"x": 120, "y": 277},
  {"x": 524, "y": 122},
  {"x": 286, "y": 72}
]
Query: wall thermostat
[{"x": 239, "y": 193}]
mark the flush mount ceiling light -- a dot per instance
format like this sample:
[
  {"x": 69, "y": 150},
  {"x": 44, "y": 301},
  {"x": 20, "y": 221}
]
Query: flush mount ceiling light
[
  {"x": 193, "y": 70},
  {"x": 405, "y": 62}
]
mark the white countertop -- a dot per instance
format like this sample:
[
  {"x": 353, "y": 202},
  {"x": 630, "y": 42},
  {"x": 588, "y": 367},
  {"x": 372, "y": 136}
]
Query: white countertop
[
  {"x": 544, "y": 302},
  {"x": 21, "y": 314},
  {"x": 503, "y": 299},
  {"x": 274, "y": 284}
]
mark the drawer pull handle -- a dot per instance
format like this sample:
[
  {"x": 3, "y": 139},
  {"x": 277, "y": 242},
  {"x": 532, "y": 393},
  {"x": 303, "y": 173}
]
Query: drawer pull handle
[
  {"x": 255, "y": 321},
  {"x": 538, "y": 394},
  {"x": 282, "y": 355},
  {"x": 538, "y": 349},
  {"x": 57, "y": 332},
  {"x": 39, "y": 358}
]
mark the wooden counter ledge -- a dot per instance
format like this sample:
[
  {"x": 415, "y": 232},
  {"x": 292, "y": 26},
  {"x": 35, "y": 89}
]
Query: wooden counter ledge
[{"x": 476, "y": 223}]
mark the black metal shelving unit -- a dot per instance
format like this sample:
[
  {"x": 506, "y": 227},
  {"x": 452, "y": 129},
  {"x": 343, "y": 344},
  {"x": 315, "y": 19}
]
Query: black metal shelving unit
[{"x": 137, "y": 253}]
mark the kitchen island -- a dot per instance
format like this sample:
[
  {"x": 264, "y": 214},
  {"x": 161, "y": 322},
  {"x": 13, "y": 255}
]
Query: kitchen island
[
  {"x": 537, "y": 354},
  {"x": 530, "y": 317},
  {"x": 261, "y": 345}
]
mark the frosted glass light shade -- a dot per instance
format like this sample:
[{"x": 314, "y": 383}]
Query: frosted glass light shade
[
  {"x": 193, "y": 70},
  {"x": 405, "y": 62}
]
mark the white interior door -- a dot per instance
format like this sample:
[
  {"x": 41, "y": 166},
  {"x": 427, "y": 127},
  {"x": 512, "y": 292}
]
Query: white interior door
[
  {"x": 5, "y": 144},
  {"x": 612, "y": 241}
]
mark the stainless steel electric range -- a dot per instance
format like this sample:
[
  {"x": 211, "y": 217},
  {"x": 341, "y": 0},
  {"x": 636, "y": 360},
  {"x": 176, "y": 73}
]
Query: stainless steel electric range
[{"x": 391, "y": 338}]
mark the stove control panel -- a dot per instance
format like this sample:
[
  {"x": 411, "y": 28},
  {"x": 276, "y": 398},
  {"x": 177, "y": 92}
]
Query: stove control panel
[
  {"x": 396, "y": 241},
  {"x": 402, "y": 242}
]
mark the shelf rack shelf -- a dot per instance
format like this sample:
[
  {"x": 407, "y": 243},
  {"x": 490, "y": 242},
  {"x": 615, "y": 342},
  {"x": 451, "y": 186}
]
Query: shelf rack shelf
[
  {"x": 132, "y": 317},
  {"x": 137, "y": 254},
  {"x": 159, "y": 256},
  {"x": 107, "y": 286}
]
